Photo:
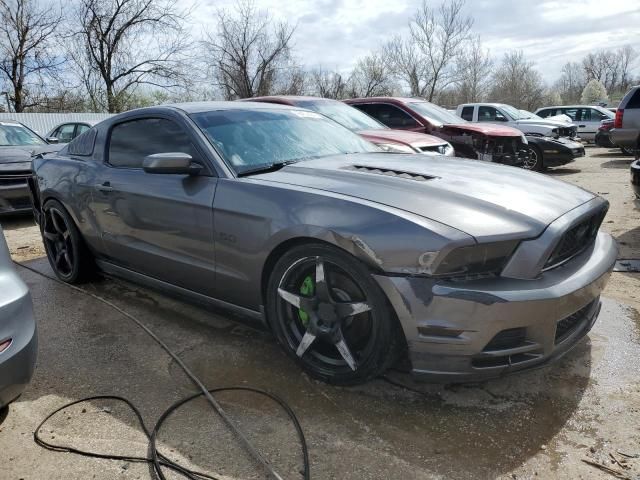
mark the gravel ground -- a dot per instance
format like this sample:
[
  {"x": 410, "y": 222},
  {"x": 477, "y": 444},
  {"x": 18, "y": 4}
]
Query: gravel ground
[{"x": 540, "y": 424}]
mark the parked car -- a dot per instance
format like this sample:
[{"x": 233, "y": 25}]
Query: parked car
[
  {"x": 491, "y": 143},
  {"x": 65, "y": 132},
  {"x": 550, "y": 142},
  {"x": 18, "y": 335},
  {"x": 586, "y": 117},
  {"x": 17, "y": 145},
  {"x": 525, "y": 114},
  {"x": 365, "y": 126},
  {"x": 348, "y": 254},
  {"x": 603, "y": 135},
  {"x": 626, "y": 128},
  {"x": 635, "y": 178},
  {"x": 508, "y": 115}
]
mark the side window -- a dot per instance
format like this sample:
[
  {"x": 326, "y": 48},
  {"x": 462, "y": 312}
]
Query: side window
[
  {"x": 584, "y": 115},
  {"x": 81, "y": 128},
  {"x": 547, "y": 112},
  {"x": 572, "y": 113},
  {"x": 64, "y": 133},
  {"x": 390, "y": 115},
  {"x": 467, "y": 113},
  {"x": 490, "y": 114},
  {"x": 131, "y": 141},
  {"x": 634, "y": 101}
]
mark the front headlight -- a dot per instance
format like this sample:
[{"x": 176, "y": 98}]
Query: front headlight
[
  {"x": 524, "y": 139},
  {"x": 448, "y": 150},
  {"x": 476, "y": 259},
  {"x": 396, "y": 148}
]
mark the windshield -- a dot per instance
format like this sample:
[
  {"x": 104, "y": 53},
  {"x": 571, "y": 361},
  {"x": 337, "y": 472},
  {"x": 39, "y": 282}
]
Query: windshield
[
  {"x": 15, "y": 135},
  {"x": 436, "y": 114},
  {"x": 514, "y": 113},
  {"x": 525, "y": 115},
  {"x": 251, "y": 138},
  {"x": 347, "y": 116}
]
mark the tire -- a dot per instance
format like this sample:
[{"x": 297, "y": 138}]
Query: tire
[
  {"x": 66, "y": 250},
  {"x": 537, "y": 161},
  {"x": 371, "y": 332},
  {"x": 627, "y": 151}
]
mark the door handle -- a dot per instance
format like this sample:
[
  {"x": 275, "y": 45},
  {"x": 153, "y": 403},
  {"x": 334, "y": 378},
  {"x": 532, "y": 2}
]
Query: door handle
[
  {"x": 581, "y": 126},
  {"x": 104, "y": 187}
]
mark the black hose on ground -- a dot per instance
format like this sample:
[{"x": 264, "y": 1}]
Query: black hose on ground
[{"x": 157, "y": 459}]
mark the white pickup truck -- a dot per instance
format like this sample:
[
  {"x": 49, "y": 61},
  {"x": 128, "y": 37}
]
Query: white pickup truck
[{"x": 503, "y": 114}]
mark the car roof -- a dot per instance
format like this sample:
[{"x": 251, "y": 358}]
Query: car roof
[
  {"x": 389, "y": 99},
  {"x": 199, "y": 107},
  {"x": 13, "y": 122},
  {"x": 572, "y": 106},
  {"x": 287, "y": 99}
]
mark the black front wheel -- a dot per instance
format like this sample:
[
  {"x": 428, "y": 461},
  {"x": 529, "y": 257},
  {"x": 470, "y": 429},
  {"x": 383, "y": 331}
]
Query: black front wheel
[
  {"x": 330, "y": 315},
  {"x": 66, "y": 251},
  {"x": 536, "y": 160}
]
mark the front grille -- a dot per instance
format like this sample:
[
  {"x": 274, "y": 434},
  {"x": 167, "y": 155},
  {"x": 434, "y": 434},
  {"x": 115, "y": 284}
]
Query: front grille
[
  {"x": 570, "y": 132},
  {"x": 576, "y": 240},
  {"x": 506, "y": 339},
  {"x": 570, "y": 324},
  {"x": 441, "y": 149},
  {"x": 14, "y": 179}
]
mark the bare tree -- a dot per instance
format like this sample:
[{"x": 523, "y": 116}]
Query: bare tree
[
  {"x": 123, "y": 44},
  {"x": 571, "y": 82},
  {"x": 328, "y": 84},
  {"x": 474, "y": 70},
  {"x": 440, "y": 36},
  {"x": 27, "y": 31},
  {"x": 370, "y": 78},
  {"x": 517, "y": 82},
  {"x": 249, "y": 52},
  {"x": 405, "y": 63}
]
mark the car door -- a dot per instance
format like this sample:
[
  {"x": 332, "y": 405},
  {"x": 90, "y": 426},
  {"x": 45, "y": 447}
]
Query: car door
[
  {"x": 160, "y": 225},
  {"x": 65, "y": 133}
]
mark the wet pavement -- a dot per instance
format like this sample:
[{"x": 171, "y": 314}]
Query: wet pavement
[{"x": 539, "y": 424}]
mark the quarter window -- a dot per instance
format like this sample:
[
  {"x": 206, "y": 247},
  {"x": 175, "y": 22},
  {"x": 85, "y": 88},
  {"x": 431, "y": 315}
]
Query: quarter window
[
  {"x": 132, "y": 141},
  {"x": 64, "y": 133},
  {"x": 390, "y": 115}
]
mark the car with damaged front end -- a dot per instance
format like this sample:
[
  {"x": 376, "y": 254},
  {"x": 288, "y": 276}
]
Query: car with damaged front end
[
  {"x": 492, "y": 143},
  {"x": 351, "y": 256}
]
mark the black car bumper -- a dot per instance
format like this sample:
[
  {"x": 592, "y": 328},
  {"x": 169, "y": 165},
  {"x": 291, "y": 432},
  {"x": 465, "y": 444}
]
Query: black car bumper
[
  {"x": 635, "y": 177},
  {"x": 558, "y": 151},
  {"x": 14, "y": 193}
]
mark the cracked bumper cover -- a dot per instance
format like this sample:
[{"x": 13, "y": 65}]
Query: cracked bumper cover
[{"x": 448, "y": 326}]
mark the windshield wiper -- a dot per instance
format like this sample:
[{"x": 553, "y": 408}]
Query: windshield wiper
[{"x": 264, "y": 168}]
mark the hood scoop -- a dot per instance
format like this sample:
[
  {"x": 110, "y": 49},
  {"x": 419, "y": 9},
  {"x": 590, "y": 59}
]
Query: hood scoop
[{"x": 390, "y": 172}]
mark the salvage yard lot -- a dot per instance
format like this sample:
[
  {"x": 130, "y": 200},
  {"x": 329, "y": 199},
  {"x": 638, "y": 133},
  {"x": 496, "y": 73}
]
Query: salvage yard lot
[{"x": 539, "y": 424}]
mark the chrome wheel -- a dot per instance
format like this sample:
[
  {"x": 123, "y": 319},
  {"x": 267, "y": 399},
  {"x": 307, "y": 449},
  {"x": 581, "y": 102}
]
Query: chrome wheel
[
  {"x": 58, "y": 242},
  {"x": 532, "y": 161},
  {"x": 325, "y": 315}
]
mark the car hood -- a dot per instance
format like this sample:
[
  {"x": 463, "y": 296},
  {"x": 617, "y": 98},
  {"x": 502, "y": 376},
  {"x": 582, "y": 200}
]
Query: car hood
[
  {"x": 487, "y": 201},
  {"x": 10, "y": 155},
  {"x": 544, "y": 123},
  {"x": 415, "y": 139},
  {"x": 485, "y": 128}
]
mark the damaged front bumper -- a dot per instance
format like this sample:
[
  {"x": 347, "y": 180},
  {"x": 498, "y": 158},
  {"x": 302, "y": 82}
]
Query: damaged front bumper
[{"x": 479, "y": 329}]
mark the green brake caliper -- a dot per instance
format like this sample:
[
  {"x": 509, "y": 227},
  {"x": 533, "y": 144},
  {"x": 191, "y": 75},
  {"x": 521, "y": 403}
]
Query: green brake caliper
[{"x": 307, "y": 288}]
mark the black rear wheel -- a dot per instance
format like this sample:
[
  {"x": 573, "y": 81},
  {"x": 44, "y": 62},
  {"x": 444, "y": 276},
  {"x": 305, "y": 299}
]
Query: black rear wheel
[
  {"x": 330, "y": 315},
  {"x": 66, "y": 251}
]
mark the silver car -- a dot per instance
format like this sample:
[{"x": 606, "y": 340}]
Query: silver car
[
  {"x": 349, "y": 255},
  {"x": 587, "y": 117},
  {"x": 18, "y": 338}
]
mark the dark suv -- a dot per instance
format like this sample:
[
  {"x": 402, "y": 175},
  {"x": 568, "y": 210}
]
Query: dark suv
[{"x": 626, "y": 127}]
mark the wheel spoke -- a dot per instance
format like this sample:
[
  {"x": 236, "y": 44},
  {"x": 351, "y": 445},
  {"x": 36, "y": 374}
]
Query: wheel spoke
[
  {"x": 342, "y": 347},
  {"x": 56, "y": 225},
  {"x": 54, "y": 237},
  {"x": 322, "y": 285},
  {"x": 297, "y": 301},
  {"x": 59, "y": 255},
  {"x": 67, "y": 258},
  {"x": 350, "y": 309},
  {"x": 305, "y": 343}
]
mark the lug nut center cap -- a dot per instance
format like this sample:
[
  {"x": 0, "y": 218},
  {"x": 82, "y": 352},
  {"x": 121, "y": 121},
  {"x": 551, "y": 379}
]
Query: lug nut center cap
[{"x": 327, "y": 313}]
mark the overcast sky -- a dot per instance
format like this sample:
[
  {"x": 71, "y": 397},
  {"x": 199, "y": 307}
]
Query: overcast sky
[{"x": 335, "y": 33}]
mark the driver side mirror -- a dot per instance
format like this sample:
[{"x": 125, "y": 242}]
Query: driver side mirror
[
  {"x": 176, "y": 163},
  {"x": 52, "y": 140}
]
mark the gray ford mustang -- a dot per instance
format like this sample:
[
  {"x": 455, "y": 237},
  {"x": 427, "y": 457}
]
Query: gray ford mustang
[{"x": 351, "y": 256}]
